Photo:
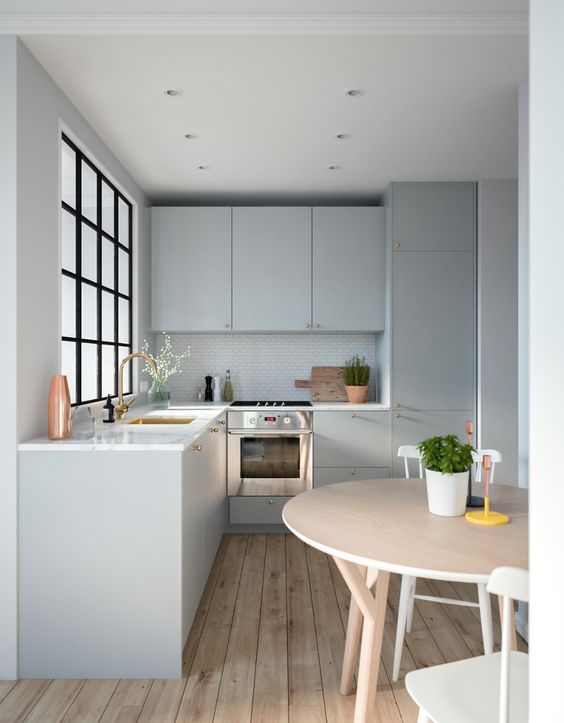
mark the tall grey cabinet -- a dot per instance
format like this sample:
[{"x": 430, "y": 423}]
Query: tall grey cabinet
[{"x": 433, "y": 349}]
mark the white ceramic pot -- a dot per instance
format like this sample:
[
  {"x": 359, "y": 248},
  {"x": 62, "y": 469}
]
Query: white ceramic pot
[{"x": 446, "y": 493}]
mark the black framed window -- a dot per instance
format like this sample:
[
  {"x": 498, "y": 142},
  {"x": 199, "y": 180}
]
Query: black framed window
[{"x": 96, "y": 278}]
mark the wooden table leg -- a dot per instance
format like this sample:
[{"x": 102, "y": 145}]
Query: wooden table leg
[
  {"x": 352, "y": 642},
  {"x": 373, "y": 610}
]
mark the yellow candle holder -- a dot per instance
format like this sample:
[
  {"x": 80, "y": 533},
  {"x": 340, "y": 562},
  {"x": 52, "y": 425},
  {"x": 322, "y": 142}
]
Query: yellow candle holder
[{"x": 487, "y": 516}]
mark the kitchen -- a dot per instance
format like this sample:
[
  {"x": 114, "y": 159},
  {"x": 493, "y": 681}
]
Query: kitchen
[{"x": 38, "y": 267}]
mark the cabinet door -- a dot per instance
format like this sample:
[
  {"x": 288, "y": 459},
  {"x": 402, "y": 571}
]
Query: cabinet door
[
  {"x": 191, "y": 269},
  {"x": 271, "y": 269},
  {"x": 413, "y": 427},
  {"x": 256, "y": 510},
  {"x": 332, "y": 475},
  {"x": 194, "y": 573},
  {"x": 351, "y": 439},
  {"x": 433, "y": 333},
  {"x": 348, "y": 268},
  {"x": 433, "y": 216},
  {"x": 213, "y": 481}
]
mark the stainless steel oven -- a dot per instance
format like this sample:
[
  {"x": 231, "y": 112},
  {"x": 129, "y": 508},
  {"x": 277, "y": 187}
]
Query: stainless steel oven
[{"x": 269, "y": 452}]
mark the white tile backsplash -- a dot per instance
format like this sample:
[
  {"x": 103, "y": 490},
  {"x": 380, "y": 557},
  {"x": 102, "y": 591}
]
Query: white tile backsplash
[{"x": 263, "y": 366}]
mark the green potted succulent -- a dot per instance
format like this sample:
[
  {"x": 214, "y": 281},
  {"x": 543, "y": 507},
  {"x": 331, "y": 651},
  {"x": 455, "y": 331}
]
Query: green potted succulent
[
  {"x": 447, "y": 461},
  {"x": 357, "y": 374}
]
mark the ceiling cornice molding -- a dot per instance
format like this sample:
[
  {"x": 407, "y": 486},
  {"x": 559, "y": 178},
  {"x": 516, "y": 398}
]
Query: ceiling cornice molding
[{"x": 51, "y": 24}]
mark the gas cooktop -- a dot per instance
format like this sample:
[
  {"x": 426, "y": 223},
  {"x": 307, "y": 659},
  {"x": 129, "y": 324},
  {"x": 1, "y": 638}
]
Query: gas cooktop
[{"x": 271, "y": 404}]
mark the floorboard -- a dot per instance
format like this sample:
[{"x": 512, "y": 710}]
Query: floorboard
[{"x": 265, "y": 646}]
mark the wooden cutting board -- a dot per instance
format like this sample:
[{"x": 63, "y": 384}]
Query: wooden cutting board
[{"x": 327, "y": 384}]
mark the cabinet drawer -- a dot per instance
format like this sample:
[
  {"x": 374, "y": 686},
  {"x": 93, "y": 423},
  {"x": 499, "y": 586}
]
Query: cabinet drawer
[
  {"x": 256, "y": 510},
  {"x": 351, "y": 439},
  {"x": 332, "y": 475}
]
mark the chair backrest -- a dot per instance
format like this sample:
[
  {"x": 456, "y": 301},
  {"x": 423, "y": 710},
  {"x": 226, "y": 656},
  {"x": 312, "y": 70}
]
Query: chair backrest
[
  {"x": 512, "y": 583},
  {"x": 410, "y": 451},
  {"x": 478, "y": 456}
]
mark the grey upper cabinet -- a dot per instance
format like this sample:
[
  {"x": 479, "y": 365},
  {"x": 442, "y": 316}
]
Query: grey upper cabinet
[
  {"x": 271, "y": 268},
  {"x": 191, "y": 268},
  {"x": 433, "y": 330},
  {"x": 348, "y": 268},
  {"x": 433, "y": 216}
]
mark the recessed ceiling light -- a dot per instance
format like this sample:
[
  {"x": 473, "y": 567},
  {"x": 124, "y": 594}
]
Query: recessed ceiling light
[
  {"x": 333, "y": 167},
  {"x": 190, "y": 136},
  {"x": 343, "y": 136},
  {"x": 172, "y": 92},
  {"x": 354, "y": 92},
  {"x": 203, "y": 168}
]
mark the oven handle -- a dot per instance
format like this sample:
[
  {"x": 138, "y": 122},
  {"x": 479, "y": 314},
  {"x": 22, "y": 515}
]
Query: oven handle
[{"x": 268, "y": 432}]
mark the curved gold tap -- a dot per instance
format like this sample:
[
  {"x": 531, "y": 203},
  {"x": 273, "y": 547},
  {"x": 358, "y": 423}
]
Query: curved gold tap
[{"x": 122, "y": 407}]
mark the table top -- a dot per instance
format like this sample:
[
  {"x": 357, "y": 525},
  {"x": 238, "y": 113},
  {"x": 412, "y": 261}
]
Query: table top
[{"x": 385, "y": 524}]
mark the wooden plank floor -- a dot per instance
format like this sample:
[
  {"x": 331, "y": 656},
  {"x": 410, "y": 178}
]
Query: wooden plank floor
[{"x": 265, "y": 647}]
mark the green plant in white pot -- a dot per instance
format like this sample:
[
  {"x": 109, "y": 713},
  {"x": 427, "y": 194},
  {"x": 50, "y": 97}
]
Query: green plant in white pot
[{"x": 447, "y": 461}]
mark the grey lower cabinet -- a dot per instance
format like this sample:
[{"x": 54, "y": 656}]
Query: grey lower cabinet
[
  {"x": 349, "y": 277},
  {"x": 433, "y": 330},
  {"x": 351, "y": 439},
  {"x": 256, "y": 510},
  {"x": 271, "y": 268},
  {"x": 433, "y": 216},
  {"x": 409, "y": 427},
  {"x": 191, "y": 268},
  {"x": 332, "y": 475},
  {"x": 350, "y": 445}
]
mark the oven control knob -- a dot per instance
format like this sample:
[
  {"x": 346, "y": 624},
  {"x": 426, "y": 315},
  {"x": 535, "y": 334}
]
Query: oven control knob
[
  {"x": 287, "y": 420},
  {"x": 253, "y": 420}
]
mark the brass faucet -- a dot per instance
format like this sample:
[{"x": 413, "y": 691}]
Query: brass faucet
[{"x": 122, "y": 407}]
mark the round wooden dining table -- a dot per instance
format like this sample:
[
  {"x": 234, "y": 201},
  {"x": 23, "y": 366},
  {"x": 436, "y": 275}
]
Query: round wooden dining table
[{"x": 372, "y": 528}]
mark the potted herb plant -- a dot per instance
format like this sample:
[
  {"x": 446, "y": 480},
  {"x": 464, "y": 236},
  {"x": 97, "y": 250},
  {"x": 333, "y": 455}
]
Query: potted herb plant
[
  {"x": 447, "y": 461},
  {"x": 357, "y": 373},
  {"x": 167, "y": 364}
]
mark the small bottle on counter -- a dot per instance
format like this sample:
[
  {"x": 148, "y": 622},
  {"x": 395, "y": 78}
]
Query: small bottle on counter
[
  {"x": 108, "y": 411},
  {"x": 227, "y": 388}
]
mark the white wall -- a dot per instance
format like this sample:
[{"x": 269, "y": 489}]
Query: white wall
[
  {"x": 497, "y": 323},
  {"x": 41, "y": 108},
  {"x": 32, "y": 109},
  {"x": 546, "y": 358},
  {"x": 523, "y": 303},
  {"x": 8, "y": 362}
]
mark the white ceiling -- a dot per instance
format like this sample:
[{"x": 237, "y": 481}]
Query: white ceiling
[{"x": 266, "y": 107}]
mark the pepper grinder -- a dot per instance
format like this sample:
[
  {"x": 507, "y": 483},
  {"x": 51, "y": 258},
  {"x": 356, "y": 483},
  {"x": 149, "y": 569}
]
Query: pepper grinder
[{"x": 208, "y": 394}]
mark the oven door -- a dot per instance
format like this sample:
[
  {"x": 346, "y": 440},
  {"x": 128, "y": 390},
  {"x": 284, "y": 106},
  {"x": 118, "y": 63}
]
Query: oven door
[{"x": 269, "y": 462}]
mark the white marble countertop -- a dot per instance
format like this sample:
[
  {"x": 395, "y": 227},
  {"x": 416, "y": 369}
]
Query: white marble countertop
[
  {"x": 121, "y": 436},
  {"x": 317, "y": 406}
]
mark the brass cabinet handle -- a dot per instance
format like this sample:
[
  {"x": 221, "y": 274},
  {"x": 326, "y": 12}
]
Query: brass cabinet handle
[
  {"x": 397, "y": 405},
  {"x": 397, "y": 244},
  {"x": 214, "y": 429},
  {"x": 318, "y": 326},
  {"x": 398, "y": 416},
  {"x": 226, "y": 325},
  {"x": 308, "y": 326},
  {"x": 353, "y": 472},
  {"x": 197, "y": 447},
  {"x": 270, "y": 502},
  {"x": 221, "y": 421},
  {"x": 353, "y": 415}
]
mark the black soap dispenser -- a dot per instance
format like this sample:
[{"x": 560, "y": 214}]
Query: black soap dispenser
[{"x": 108, "y": 411}]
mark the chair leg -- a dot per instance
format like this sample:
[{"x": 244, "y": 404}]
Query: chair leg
[
  {"x": 423, "y": 717},
  {"x": 486, "y": 618},
  {"x": 411, "y": 604},
  {"x": 405, "y": 594}
]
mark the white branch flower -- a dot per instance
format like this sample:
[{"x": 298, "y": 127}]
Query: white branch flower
[{"x": 166, "y": 361}]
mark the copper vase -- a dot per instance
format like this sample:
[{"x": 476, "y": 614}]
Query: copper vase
[{"x": 59, "y": 426}]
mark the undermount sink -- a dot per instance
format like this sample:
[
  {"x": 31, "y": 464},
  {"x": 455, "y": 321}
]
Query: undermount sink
[{"x": 150, "y": 421}]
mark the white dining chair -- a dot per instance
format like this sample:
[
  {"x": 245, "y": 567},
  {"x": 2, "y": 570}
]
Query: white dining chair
[
  {"x": 499, "y": 681},
  {"x": 408, "y": 593}
]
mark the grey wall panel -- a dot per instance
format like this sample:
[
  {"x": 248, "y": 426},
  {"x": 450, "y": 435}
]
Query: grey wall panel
[
  {"x": 433, "y": 216},
  {"x": 498, "y": 323},
  {"x": 433, "y": 330}
]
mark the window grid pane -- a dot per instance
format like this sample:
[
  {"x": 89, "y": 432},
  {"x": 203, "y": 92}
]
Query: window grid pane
[{"x": 96, "y": 314}]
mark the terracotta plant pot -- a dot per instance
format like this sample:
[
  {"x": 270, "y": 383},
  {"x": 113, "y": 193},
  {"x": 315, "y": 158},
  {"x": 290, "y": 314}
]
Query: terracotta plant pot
[{"x": 357, "y": 395}]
